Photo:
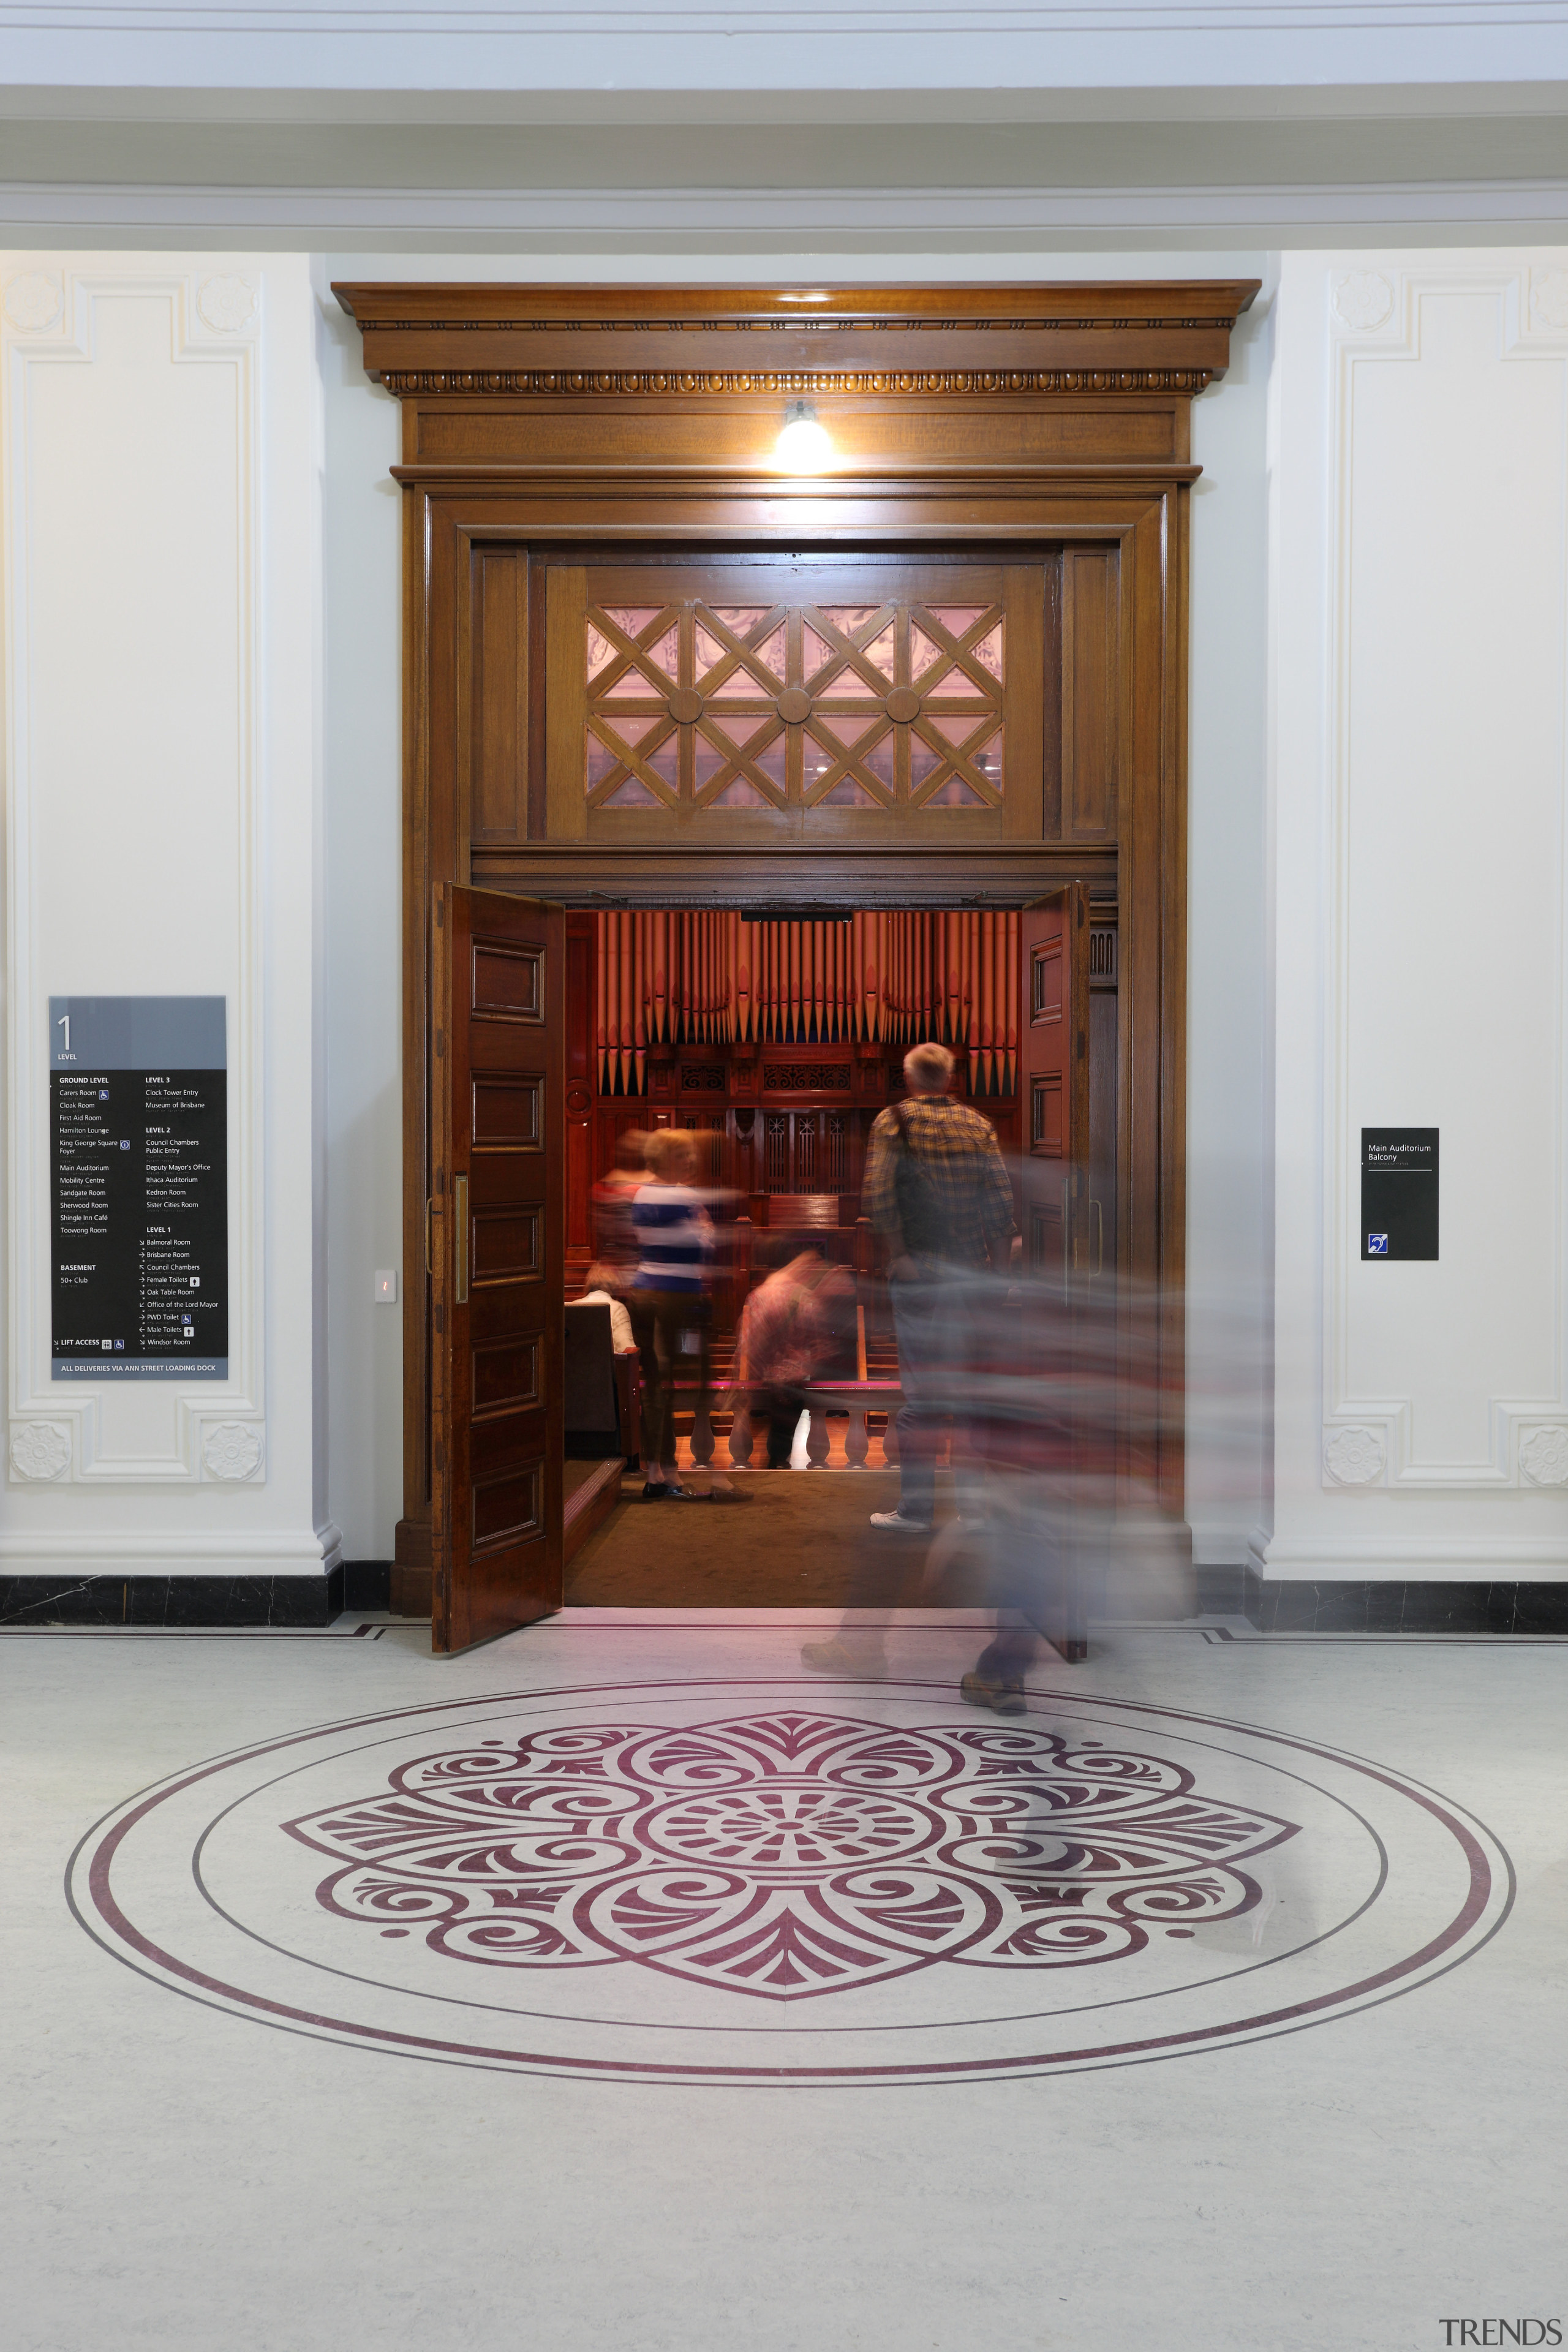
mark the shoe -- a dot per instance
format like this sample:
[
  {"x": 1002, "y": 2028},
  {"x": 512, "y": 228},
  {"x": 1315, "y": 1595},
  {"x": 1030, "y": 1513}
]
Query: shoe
[
  {"x": 1002, "y": 1699},
  {"x": 828, "y": 1658},
  {"x": 899, "y": 1525},
  {"x": 655, "y": 1490}
]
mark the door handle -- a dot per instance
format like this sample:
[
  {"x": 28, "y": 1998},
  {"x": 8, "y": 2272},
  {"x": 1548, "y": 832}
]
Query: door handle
[
  {"x": 429, "y": 1217},
  {"x": 1098, "y": 1235},
  {"x": 460, "y": 1239}
]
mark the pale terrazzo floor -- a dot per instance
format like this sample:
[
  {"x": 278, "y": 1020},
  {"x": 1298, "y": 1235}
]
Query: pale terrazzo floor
[{"x": 181, "y": 2177}]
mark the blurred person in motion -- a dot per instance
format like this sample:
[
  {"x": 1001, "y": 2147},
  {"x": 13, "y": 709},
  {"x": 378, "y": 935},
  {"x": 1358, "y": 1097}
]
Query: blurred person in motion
[
  {"x": 791, "y": 1333},
  {"x": 937, "y": 1191},
  {"x": 668, "y": 1300},
  {"x": 1078, "y": 1406},
  {"x": 615, "y": 1241}
]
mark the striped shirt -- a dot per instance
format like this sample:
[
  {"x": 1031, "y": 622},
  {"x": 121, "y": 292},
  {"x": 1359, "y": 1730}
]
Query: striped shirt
[{"x": 672, "y": 1235}]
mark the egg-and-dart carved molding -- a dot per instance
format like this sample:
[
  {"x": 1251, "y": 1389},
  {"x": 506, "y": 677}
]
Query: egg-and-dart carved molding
[{"x": 425, "y": 383}]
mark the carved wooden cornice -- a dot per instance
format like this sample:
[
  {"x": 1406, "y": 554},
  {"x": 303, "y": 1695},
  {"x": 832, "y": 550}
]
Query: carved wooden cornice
[
  {"x": 438, "y": 383},
  {"x": 506, "y": 343}
]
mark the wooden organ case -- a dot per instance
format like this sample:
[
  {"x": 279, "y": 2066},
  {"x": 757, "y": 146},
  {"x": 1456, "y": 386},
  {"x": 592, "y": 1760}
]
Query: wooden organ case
[{"x": 645, "y": 668}]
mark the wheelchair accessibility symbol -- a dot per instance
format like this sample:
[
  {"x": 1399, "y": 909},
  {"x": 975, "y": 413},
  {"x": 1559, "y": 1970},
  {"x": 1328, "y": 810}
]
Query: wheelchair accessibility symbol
[{"x": 1377, "y": 1245}]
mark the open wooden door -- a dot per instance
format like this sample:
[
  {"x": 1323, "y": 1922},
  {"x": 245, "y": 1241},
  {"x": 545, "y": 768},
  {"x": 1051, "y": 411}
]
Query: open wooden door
[
  {"x": 498, "y": 1264},
  {"x": 1053, "y": 1087}
]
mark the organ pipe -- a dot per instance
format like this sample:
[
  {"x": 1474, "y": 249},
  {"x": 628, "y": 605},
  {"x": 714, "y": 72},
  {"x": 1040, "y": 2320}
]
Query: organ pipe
[{"x": 693, "y": 977}]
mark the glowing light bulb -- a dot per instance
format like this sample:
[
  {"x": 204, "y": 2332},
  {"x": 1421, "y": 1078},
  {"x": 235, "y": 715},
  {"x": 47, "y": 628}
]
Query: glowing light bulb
[{"x": 803, "y": 447}]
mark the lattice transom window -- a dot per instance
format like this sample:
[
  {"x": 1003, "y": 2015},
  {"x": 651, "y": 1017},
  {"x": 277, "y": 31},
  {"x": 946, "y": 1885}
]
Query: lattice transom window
[{"x": 777, "y": 705}]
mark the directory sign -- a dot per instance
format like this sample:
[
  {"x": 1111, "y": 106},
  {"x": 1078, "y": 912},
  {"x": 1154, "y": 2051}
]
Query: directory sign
[
  {"x": 1399, "y": 1192},
  {"x": 139, "y": 1187}
]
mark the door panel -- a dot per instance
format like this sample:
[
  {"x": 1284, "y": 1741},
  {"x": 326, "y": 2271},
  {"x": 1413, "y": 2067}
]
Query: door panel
[
  {"x": 498, "y": 1264},
  {"x": 1060, "y": 1338},
  {"x": 1052, "y": 1080}
]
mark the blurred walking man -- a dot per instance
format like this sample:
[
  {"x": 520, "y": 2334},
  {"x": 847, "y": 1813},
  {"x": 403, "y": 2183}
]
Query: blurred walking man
[{"x": 937, "y": 1191}]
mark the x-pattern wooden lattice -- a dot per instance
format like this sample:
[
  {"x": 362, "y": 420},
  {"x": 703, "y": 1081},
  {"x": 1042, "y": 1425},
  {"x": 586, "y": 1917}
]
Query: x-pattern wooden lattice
[{"x": 726, "y": 707}]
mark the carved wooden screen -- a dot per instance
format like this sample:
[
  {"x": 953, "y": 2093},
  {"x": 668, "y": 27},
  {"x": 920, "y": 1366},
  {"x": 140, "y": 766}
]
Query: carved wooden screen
[{"x": 797, "y": 697}]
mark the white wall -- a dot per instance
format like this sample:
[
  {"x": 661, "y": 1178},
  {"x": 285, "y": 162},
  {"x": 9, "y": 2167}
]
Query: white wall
[
  {"x": 1419, "y": 669},
  {"x": 1229, "y": 1001},
  {"x": 363, "y": 891},
  {"x": 161, "y": 624}
]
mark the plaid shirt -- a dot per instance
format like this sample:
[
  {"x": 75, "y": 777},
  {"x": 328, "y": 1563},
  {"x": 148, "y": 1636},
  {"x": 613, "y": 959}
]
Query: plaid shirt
[{"x": 965, "y": 1178}]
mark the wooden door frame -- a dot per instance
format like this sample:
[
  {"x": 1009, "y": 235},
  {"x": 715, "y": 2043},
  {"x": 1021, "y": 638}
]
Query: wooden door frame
[{"x": 1057, "y": 418}]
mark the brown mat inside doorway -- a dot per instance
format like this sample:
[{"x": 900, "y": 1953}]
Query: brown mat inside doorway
[{"x": 793, "y": 1537}]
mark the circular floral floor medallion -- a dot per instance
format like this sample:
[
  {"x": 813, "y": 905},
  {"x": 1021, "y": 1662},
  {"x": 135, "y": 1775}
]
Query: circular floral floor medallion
[{"x": 771, "y": 1882}]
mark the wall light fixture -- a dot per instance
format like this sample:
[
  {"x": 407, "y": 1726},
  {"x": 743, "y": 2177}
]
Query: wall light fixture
[{"x": 803, "y": 447}]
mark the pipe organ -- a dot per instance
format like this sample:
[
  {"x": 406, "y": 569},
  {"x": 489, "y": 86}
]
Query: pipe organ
[
  {"x": 667, "y": 979},
  {"x": 776, "y": 1044}
]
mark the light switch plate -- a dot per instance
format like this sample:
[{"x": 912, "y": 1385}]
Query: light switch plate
[{"x": 387, "y": 1286}]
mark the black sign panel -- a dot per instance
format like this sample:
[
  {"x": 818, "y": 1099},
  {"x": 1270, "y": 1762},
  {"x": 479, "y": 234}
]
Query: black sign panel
[
  {"x": 1399, "y": 1192},
  {"x": 139, "y": 1184}
]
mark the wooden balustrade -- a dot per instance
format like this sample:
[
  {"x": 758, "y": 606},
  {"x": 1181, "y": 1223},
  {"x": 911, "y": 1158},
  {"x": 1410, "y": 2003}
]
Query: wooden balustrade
[{"x": 853, "y": 1401}]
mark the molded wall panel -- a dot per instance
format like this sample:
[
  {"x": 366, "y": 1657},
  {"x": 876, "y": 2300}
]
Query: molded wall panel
[
  {"x": 1420, "y": 627},
  {"x": 163, "y": 678}
]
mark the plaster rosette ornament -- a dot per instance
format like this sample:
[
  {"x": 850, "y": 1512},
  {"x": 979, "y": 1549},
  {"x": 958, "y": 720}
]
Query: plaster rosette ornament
[
  {"x": 226, "y": 304},
  {"x": 1364, "y": 300},
  {"x": 40, "y": 1449},
  {"x": 1355, "y": 1457},
  {"x": 34, "y": 301},
  {"x": 1549, "y": 297},
  {"x": 231, "y": 1449},
  {"x": 1543, "y": 1455}
]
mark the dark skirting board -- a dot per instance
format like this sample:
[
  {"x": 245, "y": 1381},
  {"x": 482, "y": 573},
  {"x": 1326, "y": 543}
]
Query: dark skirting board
[
  {"x": 179, "y": 1602},
  {"x": 1390, "y": 1605},
  {"x": 1349, "y": 1606}
]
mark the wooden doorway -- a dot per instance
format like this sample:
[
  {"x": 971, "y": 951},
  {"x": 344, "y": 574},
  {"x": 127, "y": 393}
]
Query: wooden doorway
[{"x": 571, "y": 452}]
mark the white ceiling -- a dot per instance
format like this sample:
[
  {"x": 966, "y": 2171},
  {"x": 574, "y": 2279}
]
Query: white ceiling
[{"x": 760, "y": 124}]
